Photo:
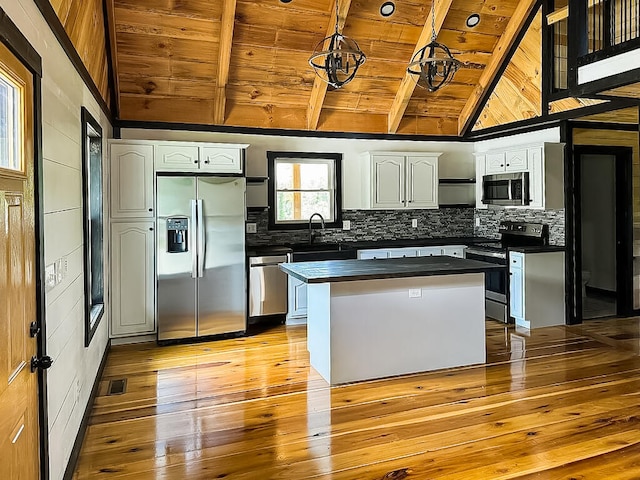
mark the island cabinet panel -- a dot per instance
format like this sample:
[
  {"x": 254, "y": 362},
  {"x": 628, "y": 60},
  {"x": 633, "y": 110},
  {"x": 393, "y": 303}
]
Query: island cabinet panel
[
  {"x": 131, "y": 181},
  {"x": 350, "y": 337},
  {"x": 132, "y": 278},
  {"x": 297, "y": 301},
  {"x": 400, "y": 180}
]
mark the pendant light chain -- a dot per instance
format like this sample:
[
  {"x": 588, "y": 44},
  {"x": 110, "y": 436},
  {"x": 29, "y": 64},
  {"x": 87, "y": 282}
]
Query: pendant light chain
[{"x": 433, "y": 21}]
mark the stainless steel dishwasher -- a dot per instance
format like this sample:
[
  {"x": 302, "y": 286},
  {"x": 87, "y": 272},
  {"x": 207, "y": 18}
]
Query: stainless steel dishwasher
[{"x": 267, "y": 286}]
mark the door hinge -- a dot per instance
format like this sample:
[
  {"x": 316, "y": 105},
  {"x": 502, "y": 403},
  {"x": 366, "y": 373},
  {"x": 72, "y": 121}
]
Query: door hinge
[{"x": 34, "y": 329}]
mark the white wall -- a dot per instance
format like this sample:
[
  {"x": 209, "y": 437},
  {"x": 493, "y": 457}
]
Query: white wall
[
  {"x": 599, "y": 220},
  {"x": 72, "y": 375},
  {"x": 457, "y": 159}
]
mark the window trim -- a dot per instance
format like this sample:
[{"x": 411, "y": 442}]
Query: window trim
[
  {"x": 337, "y": 201},
  {"x": 20, "y": 126},
  {"x": 93, "y": 313}
]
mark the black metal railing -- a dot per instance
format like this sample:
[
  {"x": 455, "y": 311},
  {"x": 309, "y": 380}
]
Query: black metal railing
[{"x": 611, "y": 25}]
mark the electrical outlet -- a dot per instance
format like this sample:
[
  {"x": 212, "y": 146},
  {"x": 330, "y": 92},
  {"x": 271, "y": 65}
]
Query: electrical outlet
[
  {"x": 50, "y": 274},
  {"x": 346, "y": 225},
  {"x": 477, "y": 221},
  {"x": 414, "y": 223},
  {"x": 415, "y": 293},
  {"x": 252, "y": 228}
]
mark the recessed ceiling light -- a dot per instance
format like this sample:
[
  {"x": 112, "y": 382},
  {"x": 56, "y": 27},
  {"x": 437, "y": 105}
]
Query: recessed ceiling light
[
  {"x": 387, "y": 9},
  {"x": 285, "y": 1},
  {"x": 473, "y": 20}
]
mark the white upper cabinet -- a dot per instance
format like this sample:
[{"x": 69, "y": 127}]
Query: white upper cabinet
[
  {"x": 131, "y": 177},
  {"x": 176, "y": 157},
  {"x": 195, "y": 157},
  {"x": 543, "y": 161},
  {"x": 422, "y": 172},
  {"x": 388, "y": 181},
  {"x": 505, "y": 162},
  {"x": 402, "y": 180}
]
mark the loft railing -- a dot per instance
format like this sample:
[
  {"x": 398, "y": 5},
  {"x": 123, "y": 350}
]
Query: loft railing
[{"x": 608, "y": 27}]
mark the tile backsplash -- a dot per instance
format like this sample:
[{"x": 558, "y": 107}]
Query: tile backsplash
[
  {"x": 367, "y": 225},
  {"x": 491, "y": 218}
]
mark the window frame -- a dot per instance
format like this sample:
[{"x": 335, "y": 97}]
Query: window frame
[
  {"x": 20, "y": 127},
  {"x": 336, "y": 158},
  {"x": 94, "y": 311}
]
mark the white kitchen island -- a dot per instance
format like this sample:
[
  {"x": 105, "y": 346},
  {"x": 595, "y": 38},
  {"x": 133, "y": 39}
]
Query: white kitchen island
[{"x": 378, "y": 318}]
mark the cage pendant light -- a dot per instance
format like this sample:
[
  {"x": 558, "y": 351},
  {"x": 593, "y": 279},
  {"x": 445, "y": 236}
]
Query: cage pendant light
[
  {"x": 339, "y": 63},
  {"x": 433, "y": 66}
]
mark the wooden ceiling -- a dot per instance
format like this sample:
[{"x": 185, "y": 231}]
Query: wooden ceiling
[{"x": 245, "y": 62}]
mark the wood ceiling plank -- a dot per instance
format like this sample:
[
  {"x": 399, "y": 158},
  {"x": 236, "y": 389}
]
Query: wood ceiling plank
[
  {"x": 460, "y": 41},
  {"x": 224, "y": 59},
  {"x": 359, "y": 102},
  {"x": 342, "y": 121},
  {"x": 516, "y": 23},
  {"x": 205, "y": 9},
  {"x": 268, "y": 116},
  {"x": 253, "y": 75},
  {"x": 174, "y": 48},
  {"x": 167, "y": 86},
  {"x": 489, "y": 24},
  {"x": 269, "y": 14},
  {"x": 408, "y": 84},
  {"x": 163, "y": 109},
  {"x": 319, "y": 89},
  {"x": 428, "y": 108},
  {"x": 627, "y": 91},
  {"x": 111, "y": 23},
  {"x": 165, "y": 24},
  {"x": 414, "y": 125},
  {"x": 267, "y": 95},
  {"x": 410, "y": 13},
  {"x": 624, "y": 115},
  {"x": 365, "y": 30}
]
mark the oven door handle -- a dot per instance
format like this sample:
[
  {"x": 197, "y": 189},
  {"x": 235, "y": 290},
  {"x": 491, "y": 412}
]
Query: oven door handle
[{"x": 510, "y": 189}]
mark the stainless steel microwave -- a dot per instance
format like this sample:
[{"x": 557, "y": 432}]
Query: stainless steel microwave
[{"x": 506, "y": 189}]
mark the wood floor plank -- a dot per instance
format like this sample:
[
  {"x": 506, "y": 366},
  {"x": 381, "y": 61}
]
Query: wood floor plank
[{"x": 252, "y": 408}]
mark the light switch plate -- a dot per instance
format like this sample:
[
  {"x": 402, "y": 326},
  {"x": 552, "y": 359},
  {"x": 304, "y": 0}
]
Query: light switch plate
[
  {"x": 252, "y": 228},
  {"x": 415, "y": 293},
  {"x": 346, "y": 225}
]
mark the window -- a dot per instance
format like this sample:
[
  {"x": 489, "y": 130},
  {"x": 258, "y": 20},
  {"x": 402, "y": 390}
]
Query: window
[
  {"x": 11, "y": 111},
  {"x": 301, "y": 184},
  {"x": 93, "y": 224}
]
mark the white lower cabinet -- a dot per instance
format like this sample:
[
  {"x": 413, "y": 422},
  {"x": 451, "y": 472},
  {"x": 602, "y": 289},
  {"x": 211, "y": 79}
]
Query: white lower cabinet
[
  {"x": 297, "y": 300},
  {"x": 536, "y": 288},
  {"x": 132, "y": 278}
]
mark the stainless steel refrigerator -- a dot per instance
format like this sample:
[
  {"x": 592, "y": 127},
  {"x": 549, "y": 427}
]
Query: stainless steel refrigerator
[{"x": 201, "y": 282}]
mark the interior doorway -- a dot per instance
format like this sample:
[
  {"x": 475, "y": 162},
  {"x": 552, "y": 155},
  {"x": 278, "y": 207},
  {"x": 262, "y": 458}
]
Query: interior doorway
[{"x": 604, "y": 228}]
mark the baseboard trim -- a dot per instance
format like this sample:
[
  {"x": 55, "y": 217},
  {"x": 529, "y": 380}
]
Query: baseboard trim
[{"x": 77, "y": 445}]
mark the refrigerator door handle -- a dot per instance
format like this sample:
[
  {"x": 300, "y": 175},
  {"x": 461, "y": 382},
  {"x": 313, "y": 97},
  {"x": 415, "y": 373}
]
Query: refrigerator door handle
[
  {"x": 193, "y": 240},
  {"x": 201, "y": 239}
]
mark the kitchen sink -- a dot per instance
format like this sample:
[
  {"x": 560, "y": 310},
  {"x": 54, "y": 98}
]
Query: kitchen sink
[{"x": 322, "y": 251}]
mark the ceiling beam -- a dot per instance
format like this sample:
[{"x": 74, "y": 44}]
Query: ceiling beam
[
  {"x": 408, "y": 83},
  {"x": 319, "y": 90},
  {"x": 500, "y": 54},
  {"x": 110, "y": 25},
  {"x": 224, "y": 59}
]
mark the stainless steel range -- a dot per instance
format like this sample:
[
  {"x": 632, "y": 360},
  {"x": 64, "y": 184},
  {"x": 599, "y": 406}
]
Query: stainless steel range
[{"x": 512, "y": 234}]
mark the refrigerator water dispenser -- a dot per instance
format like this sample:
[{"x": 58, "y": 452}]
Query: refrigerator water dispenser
[{"x": 177, "y": 234}]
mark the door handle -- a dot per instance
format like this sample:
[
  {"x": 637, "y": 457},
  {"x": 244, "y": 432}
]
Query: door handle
[
  {"x": 194, "y": 239},
  {"x": 42, "y": 363},
  {"x": 201, "y": 238}
]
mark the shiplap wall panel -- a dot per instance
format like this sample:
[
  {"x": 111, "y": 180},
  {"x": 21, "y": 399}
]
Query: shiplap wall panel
[{"x": 70, "y": 379}]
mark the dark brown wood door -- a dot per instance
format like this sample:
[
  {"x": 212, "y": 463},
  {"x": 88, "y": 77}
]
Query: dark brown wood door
[{"x": 19, "y": 434}]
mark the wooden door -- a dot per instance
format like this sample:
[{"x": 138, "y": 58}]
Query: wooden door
[{"x": 19, "y": 435}]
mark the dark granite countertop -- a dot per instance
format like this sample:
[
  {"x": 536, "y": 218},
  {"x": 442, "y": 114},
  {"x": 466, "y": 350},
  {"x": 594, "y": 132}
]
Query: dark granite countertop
[
  {"x": 541, "y": 249},
  {"x": 420, "y": 242},
  {"x": 351, "y": 270}
]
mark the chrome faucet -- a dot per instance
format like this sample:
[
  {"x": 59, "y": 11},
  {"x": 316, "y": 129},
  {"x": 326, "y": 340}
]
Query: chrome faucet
[{"x": 311, "y": 231}]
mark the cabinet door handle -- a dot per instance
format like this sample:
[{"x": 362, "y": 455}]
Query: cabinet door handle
[
  {"x": 151, "y": 229},
  {"x": 195, "y": 161},
  {"x": 151, "y": 209},
  {"x": 508, "y": 164},
  {"x": 207, "y": 161}
]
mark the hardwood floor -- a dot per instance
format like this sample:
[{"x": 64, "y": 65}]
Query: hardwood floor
[{"x": 558, "y": 403}]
